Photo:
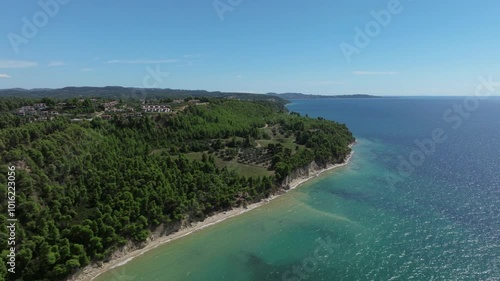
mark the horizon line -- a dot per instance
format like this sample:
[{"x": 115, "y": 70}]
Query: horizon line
[{"x": 240, "y": 92}]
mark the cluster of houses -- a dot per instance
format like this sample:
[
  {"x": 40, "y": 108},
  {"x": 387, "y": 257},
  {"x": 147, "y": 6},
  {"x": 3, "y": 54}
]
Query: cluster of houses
[
  {"x": 111, "y": 107},
  {"x": 110, "y": 104},
  {"x": 114, "y": 109},
  {"x": 42, "y": 112},
  {"x": 37, "y": 109},
  {"x": 156, "y": 108}
]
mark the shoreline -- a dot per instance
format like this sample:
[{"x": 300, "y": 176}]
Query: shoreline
[{"x": 90, "y": 272}]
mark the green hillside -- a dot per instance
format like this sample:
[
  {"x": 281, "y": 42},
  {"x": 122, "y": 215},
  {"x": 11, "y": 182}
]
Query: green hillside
[{"x": 85, "y": 188}]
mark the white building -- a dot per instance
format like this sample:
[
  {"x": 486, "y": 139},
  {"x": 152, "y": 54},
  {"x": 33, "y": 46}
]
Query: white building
[{"x": 156, "y": 108}]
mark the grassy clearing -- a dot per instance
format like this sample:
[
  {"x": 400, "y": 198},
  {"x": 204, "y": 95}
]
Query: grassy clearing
[
  {"x": 286, "y": 142},
  {"x": 243, "y": 169},
  {"x": 258, "y": 164},
  {"x": 240, "y": 168}
]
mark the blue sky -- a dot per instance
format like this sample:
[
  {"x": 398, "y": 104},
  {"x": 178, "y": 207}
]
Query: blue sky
[{"x": 427, "y": 47}]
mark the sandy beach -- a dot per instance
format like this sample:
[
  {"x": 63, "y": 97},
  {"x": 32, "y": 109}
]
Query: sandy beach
[{"x": 92, "y": 271}]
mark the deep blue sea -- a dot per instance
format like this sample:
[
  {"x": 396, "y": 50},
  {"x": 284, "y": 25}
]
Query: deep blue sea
[{"x": 420, "y": 200}]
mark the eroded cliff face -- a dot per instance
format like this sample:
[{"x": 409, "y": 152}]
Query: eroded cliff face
[
  {"x": 312, "y": 169},
  {"x": 167, "y": 229},
  {"x": 130, "y": 246},
  {"x": 173, "y": 227},
  {"x": 303, "y": 172}
]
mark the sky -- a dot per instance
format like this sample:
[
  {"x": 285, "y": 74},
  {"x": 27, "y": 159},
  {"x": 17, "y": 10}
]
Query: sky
[{"x": 326, "y": 47}]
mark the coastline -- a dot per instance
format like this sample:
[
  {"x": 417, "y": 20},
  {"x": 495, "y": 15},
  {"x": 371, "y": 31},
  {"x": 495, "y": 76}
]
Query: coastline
[{"x": 92, "y": 271}]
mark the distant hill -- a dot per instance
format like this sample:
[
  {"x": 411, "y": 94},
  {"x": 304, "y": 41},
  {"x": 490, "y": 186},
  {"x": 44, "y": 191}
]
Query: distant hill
[
  {"x": 116, "y": 92},
  {"x": 296, "y": 96}
]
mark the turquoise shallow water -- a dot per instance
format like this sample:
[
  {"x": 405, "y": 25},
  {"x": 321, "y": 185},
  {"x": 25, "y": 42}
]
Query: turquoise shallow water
[{"x": 370, "y": 220}]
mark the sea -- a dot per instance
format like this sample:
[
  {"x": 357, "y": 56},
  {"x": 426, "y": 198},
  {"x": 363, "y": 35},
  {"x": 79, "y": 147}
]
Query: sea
[{"x": 420, "y": 200}]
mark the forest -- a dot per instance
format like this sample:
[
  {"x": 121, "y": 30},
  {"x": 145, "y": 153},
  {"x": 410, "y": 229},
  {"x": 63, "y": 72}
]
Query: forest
[{"x": 84, "y": 189}]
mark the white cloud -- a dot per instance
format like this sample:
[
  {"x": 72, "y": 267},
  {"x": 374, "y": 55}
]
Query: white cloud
[
  {"x": 142, "y": 61},
  {"x": 17, "y": 64},
  {"x": 375, "y": 72},
  {"x": 4, "y": 75},
  {"x": 56, "y": 63},
  {"x": 86, "y": 69}
]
